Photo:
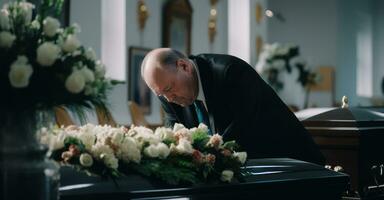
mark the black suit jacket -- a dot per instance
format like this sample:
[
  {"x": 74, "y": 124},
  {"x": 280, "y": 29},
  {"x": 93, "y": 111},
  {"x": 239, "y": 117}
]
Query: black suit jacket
[{"x": 246, "y": 109}]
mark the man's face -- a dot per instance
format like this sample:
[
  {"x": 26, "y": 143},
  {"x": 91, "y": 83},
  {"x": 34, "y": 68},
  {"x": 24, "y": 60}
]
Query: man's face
[{"x": 178, "y": 85}]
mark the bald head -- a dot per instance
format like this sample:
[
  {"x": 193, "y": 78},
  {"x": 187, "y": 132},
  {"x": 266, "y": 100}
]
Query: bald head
[
  {"x": 171, "y": 74},
  {"x": 164, "y": 58}
]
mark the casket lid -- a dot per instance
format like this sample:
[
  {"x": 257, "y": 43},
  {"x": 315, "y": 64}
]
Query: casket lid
[{"x": 347, "y": 117}]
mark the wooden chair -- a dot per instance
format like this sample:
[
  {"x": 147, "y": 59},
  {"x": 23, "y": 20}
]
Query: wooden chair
[
  {"x": 62, "y": 117},
  {"x": 105, "y": 118},
  {"x": 137, "y": 115},
  {"x": 138, "y": 118}
]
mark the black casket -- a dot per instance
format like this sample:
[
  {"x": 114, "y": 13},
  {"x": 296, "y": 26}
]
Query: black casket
[
  {"x": 352, "y": 138},
  {"x": 276, "y": 178}
]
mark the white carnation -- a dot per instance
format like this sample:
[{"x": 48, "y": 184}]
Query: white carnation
[
  {"x": 184, "y": 146},
  {"x": 71, "y": 43},
  {"x": 4, "y": 19},
  {"x": 75, "y": 82},
  {"x": 241, "y": 156},
  {"x": 129, "y": 150},
  {"x": 86, "y": 160},
  {"x": 177, "y": 127},
  {"x": 163, "y": 150},
  {"x": 110, "y": 160},
  {"x": 226, "y": 176},
  {"x": 165, "y": 133},
  {"x": 6, "y": 39},
  {"x": 88, "y": 139},
  {"x": 57, "y": 142},
  {"x": 99, "y": 149},
  {"x": 20, "y": 72},
  {"x": 47, "y": 53},
  {"x": 117, "y": 137},
  {"x": 88, "y": 74},
  {"x": 151, "y": 151},
  {"x": 51, "y": 25}
]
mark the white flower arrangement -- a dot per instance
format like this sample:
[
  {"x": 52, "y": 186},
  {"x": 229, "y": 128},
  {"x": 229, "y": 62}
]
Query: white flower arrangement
[
  {"x": 276, "y": 58},
  {"x": 99, "y": 149},
  {"x": 44, "y": 64}
]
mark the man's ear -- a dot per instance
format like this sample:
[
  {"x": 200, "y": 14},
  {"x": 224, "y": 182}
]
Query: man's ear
[{"x": 184, "y": 65}]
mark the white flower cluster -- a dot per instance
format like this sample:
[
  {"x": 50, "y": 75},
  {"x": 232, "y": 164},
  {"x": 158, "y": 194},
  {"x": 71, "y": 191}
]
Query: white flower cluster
[
  {"x": 113, "y": 145},
  {"x": 267, "y": 58},
  {"x": 54, "y": 47}
]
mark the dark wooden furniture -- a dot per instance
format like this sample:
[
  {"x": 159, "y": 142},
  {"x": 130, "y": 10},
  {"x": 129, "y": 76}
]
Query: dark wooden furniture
[
  {"x": 353, "y": 139},
  {"x": 276, "y": 178}
]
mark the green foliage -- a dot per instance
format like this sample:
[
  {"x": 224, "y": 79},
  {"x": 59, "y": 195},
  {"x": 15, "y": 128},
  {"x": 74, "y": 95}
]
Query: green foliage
[
  {"x": 167, "y": 171},
  {"x": 74, "y": 141},
  {"x": 231, "y": 145},
  {"x": 200, "y": 139}
]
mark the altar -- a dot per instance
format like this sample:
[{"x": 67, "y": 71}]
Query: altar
[{"x": 275, "y": 178}]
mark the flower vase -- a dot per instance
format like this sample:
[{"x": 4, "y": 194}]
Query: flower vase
[{"x": 26, "y": 173}]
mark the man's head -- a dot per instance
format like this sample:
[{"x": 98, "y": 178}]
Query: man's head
[{"x": 170, "y": 74}]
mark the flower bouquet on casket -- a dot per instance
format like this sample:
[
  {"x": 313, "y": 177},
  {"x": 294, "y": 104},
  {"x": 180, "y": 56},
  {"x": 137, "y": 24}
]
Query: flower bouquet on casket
[{"x": 175, "y": 156}]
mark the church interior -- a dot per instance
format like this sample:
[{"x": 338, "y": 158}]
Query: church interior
[{"x": 321, "y": 57}]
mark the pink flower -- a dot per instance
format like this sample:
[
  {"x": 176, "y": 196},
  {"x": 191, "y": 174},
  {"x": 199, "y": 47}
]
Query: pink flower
[{"x": 215, "y": 141}]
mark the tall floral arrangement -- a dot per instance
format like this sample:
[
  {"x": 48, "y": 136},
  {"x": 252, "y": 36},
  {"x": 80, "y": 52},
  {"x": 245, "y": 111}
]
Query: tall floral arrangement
[
  {"x": 177, "y": 155},
  {"x": 43, "y": 64},
  {"x": 274, "y": 59}
]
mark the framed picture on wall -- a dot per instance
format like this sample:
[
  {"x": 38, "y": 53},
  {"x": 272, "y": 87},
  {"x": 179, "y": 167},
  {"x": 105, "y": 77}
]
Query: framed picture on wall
[
  {"x": 63, "y": 17},
  {"x": 177, "y": 25},
  {"x": 138, "y": 91}
]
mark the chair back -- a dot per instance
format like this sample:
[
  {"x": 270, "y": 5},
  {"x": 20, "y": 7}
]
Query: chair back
[{"x": 137, "y": 114}]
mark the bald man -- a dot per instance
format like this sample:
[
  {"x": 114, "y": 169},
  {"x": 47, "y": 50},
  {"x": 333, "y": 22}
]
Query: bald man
[{"x": 233, "y": 100}]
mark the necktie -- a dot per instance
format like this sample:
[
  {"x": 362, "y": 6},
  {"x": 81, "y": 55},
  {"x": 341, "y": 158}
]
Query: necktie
[{"x": 202, "y": 114}]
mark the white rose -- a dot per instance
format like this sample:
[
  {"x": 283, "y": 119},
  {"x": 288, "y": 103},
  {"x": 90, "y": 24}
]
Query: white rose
[
  {"x": 75, "y": 82},
  {"x": 164, "y": 133},
  {"x": 99, "y": 149},
  {"x": 35, "y": 24},
  {"x": 110, "y": 160},
  {"x": 117, "y": 137},
  {"x": 86, "y": 160},
  {"x": 88, "y": 74},
  {"x": 4, "y": 19},
  {"x": 88, "y": 139},
  {"x": 90, "y": 54},
  {"x": 163, "y": 150},
  {"x": 57, "y": 142},
  {"x": 177, "y": 127},
  {"x": 26, "y": 11},
  {"x": 20, "y": 72},
  {"x": 47, "y": 53},
  {"x": 184, "y": 146},
  {"x": 130, "y": 151},
  {"x": 71, "y": 44},
  {"x": 241, "y": 156},
  {"x": 99, "y": 69},
  {"x": 51, "y": 25},
  {"x": 226, "y": 176},
  {"x": 151, "y": 151},
  {"x": 6, "y": 39}
]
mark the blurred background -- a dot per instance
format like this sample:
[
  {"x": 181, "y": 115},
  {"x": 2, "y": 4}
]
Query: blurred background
[{"x": 312, "y": 52}]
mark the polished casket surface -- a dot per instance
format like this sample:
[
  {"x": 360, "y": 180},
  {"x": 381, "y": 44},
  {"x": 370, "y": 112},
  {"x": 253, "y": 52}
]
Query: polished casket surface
[
  {"x": 274, "y": 178},
  {"x": 352, "y": 138}
]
